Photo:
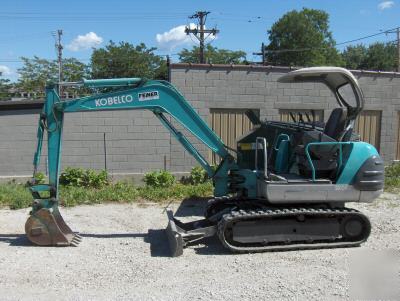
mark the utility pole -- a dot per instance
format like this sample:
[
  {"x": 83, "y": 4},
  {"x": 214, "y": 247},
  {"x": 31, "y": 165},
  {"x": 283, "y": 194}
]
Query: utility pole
[
  {"x": 398, "y": 49},
  {"x": 262, "y": 53},
  {"x": 397, "y": 31},
  {"x": 199, "y": 31},
  {"x": 59, "y": 49}
]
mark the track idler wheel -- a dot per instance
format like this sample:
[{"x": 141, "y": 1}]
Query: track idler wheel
[{"x": 46, "y": 227}]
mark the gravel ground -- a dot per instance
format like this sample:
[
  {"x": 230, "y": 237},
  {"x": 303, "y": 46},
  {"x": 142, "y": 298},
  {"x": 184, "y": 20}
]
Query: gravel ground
[{"x": 124, "y": 256}]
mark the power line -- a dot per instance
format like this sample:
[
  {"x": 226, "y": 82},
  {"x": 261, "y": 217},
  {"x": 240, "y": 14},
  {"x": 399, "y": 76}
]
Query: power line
[
  {"x": 325, "y": 48},
  {"x": 366, "y": 37}
]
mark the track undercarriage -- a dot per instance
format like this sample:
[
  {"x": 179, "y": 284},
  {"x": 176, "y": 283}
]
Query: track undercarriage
[{"x": 253, "y": 226}]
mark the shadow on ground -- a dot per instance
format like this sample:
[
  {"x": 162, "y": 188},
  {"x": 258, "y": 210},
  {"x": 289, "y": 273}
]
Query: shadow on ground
[
  {"x": 17, "y": 240},
  {"x": 157, "y": 238}
]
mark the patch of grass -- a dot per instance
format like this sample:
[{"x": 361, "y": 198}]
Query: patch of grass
[
  {"x": 17, "y": 196},
  {"x": 118, "y": 193},
  {"x": 177, "y": 191}
]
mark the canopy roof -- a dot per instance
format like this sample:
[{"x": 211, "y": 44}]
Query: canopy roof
[{"x": 333, "y": 77}]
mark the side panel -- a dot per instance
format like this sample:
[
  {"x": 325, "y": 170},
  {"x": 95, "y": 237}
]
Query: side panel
[
  {"x": 307, "y": 193},
  {"x": 360, "y": 152}
]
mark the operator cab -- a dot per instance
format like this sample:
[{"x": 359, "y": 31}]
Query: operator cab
[{"x": 304, "y": 152}]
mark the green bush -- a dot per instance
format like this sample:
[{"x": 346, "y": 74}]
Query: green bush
[
  {"x": 198, "y": 175},
  {"x": 159, "y": 179},
  {"x": 80, "y": 177},
  {"x": 393, "y": 170},
  {"x": 392, "y": 177},
  {"x": 40, "y": 178}
]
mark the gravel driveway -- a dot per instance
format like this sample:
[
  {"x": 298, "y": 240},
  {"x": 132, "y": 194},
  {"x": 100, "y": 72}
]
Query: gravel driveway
[{"x": 124, "y": 255}]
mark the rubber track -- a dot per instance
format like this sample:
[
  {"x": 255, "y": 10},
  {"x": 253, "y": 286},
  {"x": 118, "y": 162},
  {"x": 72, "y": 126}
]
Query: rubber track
[{"x": 229, "y": 218}]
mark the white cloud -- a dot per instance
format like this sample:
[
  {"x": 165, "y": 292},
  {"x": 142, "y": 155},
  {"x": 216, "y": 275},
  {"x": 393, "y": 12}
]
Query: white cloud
[
  {"x": 87, "y": 41},
  {"x": 4, "y": 70},
  {"x": 385, "y": 5},
  {"x": 174, "y": 37}
]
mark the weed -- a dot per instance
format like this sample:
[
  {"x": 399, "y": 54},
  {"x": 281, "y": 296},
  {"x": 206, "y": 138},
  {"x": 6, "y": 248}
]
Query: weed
[{"x": 159, "y": 179}]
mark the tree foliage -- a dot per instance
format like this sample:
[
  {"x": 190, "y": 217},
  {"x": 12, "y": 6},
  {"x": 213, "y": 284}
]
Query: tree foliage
[
  {"x": 307, "y": 32},
  {"x": 127, "y": 60},
  {"x": 35, "y": 73},
  {"x": 377, "y": 56},
  {"x": 5, "y": 86},
  {"x": 213, "y": 55},
  {"x": 354, "y": 57}
]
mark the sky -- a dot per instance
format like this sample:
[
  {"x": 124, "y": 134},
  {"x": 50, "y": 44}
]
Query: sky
[{"x": 27, "y": 27}]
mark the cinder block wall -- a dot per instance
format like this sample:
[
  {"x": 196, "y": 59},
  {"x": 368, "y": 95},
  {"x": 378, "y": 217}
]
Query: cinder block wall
[
  {"x": 135, "y": 141},
  {"x": 256, "y": 87}
]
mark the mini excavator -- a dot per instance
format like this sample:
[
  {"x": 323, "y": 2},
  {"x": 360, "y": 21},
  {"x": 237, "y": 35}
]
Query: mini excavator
[{"x": 283, "y": 188}]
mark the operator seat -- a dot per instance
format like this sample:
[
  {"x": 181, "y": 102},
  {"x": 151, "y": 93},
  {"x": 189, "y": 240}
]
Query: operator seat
[
  {"x": 335, "y": 125},
  {"x": 324, "y": 158}
]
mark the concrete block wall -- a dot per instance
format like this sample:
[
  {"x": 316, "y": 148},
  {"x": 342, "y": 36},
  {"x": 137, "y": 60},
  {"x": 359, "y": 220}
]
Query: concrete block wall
[
  {"x": 136, "y": 142},
  {"x": 256, "y": 87}
]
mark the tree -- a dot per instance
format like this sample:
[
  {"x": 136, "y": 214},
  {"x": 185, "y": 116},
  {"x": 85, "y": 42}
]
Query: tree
[
  {"x": 213, "y": 55},
  {"x": 381, "y": 56},
  {"x": 302, "y": 38},
  {"x": 74, "y": 70},
  {"x": 354, "y": 57},
  {"x": 377, "y": 56},
  {"x": 37, "y": 72},
  {"x": 4, "y": 88},
  {"x": 127, "y": 60}
]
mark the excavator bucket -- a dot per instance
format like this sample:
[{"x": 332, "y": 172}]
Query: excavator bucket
[{"x": 46, "y": 227}]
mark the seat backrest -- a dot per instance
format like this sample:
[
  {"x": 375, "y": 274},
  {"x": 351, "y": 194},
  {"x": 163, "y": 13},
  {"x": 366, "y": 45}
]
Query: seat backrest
[{"x": 335, "y": 124}]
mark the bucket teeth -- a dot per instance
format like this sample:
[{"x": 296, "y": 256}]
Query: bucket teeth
[
  {"x": 74, "y": 244},
  {"x": 75, "y": 241}
]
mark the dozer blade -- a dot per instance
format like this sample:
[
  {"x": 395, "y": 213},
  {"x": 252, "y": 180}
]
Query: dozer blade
[
  {"x": 181, "y": 235},
  {"x": 175, "y": 239},
  {"x": 46, "y": 227}
]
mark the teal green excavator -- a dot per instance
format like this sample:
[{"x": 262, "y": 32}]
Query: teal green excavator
[{"x": 285, "y": 186}]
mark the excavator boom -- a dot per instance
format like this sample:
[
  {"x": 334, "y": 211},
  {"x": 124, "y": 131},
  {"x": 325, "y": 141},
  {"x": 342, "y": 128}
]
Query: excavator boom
[{"x": 45, "y": 225}]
